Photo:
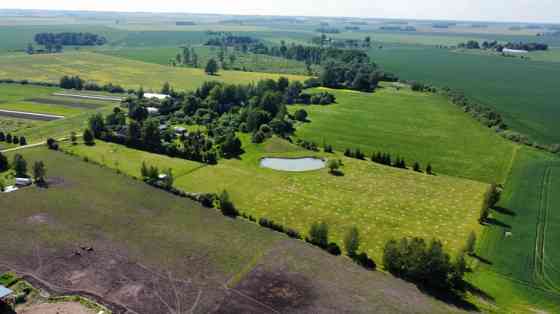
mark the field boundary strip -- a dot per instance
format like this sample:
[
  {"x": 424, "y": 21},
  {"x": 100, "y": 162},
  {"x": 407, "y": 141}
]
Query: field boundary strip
[
  {"x": 29, "y": 115},
  {"x": 107, "y": 98}
]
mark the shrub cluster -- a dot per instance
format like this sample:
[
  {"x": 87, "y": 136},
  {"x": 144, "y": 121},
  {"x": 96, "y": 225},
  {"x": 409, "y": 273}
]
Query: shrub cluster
[
  {"x": 425, "y": 264},
  {"x": 308, "y": 145},
  {"x": 13, "y": 139},
  {"x": 270, "y": 224},
  {"x": 385, "y": 159},
  {"x": 77, "y": 83}
]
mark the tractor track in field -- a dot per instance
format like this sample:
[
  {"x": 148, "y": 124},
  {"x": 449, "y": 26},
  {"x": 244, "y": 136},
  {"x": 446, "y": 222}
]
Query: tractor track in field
[{"x": 539, "y": 263}]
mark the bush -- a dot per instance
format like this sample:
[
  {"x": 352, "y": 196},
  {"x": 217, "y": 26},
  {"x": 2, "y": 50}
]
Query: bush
[
  {"x": 88, "y": 138},
  {"x": 52, "y": 144},
  {"x": 365, "y": 261},
  {"x": 334, "y": 249}
]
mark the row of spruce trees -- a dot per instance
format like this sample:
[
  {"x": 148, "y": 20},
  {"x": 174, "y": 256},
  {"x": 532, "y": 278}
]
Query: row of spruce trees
[{"x": 13, "y": 139}]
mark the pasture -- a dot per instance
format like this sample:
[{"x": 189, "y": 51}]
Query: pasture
[
  {"x": 249, "y": 61},
  {"x": 128, "y": 73},
  {"x": 521, "y": 241},
  {"x": 383, "y": 202},
  {"x": 415, "y": 126},
  {"x": 525, "y": 93},
  {"x": 136, "y": 248}
]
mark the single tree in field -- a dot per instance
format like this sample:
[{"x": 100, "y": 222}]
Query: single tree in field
[
  {"x": 22, "y": 141},
  {"x": 352, "y": 241},
  {"x": 333, "y": 166},
  {"x": 429, "y": 169},
  {"x": 300, "y": 115},
  {"x": 88, "y": 138},
  {"x": 319, "y": 235},
  {"x": 484, "y": 213},
  {"x": 39, "y": 172},
  {"x": 73, "y": 138},
  {"x": 471, "y": 243},
  {"x": 2, "y": 185},
  {"x": 493, "y": 196},
  {"x": 4, "y": 164},
  {"x": 20, "y": 166},
  {"x": 211, "y": 67},
  {"x": 144, "y": 171},
  {"x": 166, "y": 89},
  {"x": 168, "y": 180},
  {"x": 416, "y": 167}
]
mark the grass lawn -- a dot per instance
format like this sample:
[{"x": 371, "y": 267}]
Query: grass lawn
[
  {"x": 416, "y": 126},
  {"x": 526, "y": 256},
  {"x": 383, "y": 202},
  {"x": 129, "y": 73},
  {"x": 130, "y": 160}
]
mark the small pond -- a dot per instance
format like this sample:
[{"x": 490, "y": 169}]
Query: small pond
[{"x": 293, "y": 164}]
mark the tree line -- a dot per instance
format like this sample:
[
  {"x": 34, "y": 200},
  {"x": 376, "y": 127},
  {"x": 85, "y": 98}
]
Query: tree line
[
  {"x": 69, "y": 39},
  {"x": 384, "y": 159},
  {"x": 494, "y": 45},
  {"x": 77, "y": 83}
]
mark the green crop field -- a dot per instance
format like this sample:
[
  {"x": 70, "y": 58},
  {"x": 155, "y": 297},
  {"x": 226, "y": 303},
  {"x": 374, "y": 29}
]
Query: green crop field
[
  {"x": 520, "y": 243},
  {"x": 177, "y": 253},
  {"x": 415, "y": 126},
  {"x": 529, "y": 105},
  {"x": 104, "y": 69},
  {"x": 37, "y": 99},
  {"x": 383, "y": 202}
]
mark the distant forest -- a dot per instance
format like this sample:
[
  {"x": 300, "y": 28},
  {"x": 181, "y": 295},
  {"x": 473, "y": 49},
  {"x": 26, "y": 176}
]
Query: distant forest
[{"x": 53, "y": 40}]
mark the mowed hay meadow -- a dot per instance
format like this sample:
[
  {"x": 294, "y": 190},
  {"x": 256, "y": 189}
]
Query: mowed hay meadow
[
  {"x": 382, "y": 202},
  {"x": 108, "y": 69},
  {"x": 416, "y": 126}
]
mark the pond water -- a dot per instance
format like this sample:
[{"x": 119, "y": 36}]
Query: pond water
[{"x": 293, "y": 164}]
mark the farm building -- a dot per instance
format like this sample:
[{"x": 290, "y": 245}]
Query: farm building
[
  {"x": 5, "y": 293},
  {"x": 152, "y": 110},
  {"x": 180, "y": 130},
  {"x": 23, "y": 181},
  {"x": 507, "y": 50},
  {"x": 156, "y": 96}
]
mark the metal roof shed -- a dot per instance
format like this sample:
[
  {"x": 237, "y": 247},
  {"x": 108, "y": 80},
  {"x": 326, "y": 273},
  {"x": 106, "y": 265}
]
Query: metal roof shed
[{"x": 4, "y": 292}]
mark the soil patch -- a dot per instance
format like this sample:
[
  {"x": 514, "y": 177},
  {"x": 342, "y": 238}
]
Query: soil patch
[{"x": 57, "y": 308}]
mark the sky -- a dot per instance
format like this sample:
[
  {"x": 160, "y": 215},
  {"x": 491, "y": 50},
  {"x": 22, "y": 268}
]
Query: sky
[{"x": 472, "y": 10}]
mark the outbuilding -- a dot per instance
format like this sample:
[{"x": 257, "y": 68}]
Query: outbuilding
[
  {"x": 507, "y": 50},
  {"x": 156, "y": 96},
  {"x": 152, "y": 110},
  {"x": 4, "y": 293},
  {"x": 23, "y": 181},
  {"x": 180, "y": 130}
]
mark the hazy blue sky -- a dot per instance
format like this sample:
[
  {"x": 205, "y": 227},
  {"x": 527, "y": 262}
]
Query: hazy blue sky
[{"x": 494, "y": 10}]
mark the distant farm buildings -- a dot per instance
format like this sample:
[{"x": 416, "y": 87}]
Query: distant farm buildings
[
  {"x": 156, "y": 96},
  {"x": 507, "y": 50}
]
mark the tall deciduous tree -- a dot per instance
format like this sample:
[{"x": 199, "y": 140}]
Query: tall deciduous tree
[{"x": 211, "y": 67}]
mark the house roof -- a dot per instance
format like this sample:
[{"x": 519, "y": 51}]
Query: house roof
[{"x": 4, "y": 292}]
